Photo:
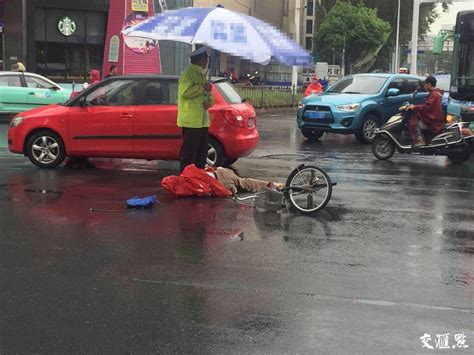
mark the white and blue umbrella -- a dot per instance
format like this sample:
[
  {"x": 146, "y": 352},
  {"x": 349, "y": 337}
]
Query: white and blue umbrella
[{"x": 226, "y": 31}]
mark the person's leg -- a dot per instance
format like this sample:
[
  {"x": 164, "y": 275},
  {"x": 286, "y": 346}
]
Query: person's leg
[
  {"x": 202, "y": 148},
  {"x": 191, "y": 139},
  {"x": 415, "y": 131},
  {"x": 422, "y": 127},
  {"x": 413, "y": 127},
  {"x": 252, "y": 185},
  {"x": 231, "y": 180},
  {"x": 227, "y": 178}
]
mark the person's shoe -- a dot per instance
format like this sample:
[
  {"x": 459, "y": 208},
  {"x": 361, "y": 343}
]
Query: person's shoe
[{"x": 419, "y": 143}]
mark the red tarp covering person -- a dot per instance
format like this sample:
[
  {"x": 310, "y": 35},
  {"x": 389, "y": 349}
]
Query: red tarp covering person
[
  {"x": 220, "y": 182},
  {"x": 194, "y": 182}
]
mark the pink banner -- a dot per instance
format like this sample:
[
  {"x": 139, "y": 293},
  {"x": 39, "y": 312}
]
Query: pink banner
[{"x": 130, "y": 56}]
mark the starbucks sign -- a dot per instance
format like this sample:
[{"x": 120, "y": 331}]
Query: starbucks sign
[{"x": 66, "y": 26}]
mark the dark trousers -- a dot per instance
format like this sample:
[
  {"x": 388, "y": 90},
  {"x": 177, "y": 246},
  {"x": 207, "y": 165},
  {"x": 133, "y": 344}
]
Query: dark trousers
[{"x": 194, "y": 149}]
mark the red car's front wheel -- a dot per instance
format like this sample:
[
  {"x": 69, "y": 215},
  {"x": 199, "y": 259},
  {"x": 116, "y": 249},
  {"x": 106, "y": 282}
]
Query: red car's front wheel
[{"x": 46, "y": 149}]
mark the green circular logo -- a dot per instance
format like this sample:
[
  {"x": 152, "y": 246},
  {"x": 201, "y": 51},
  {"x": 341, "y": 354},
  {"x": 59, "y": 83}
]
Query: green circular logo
[{"x": 66, "y": 26}]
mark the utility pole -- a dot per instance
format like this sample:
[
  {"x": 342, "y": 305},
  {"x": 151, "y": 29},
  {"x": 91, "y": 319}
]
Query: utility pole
[
  {"x": 397, "y": 42},
  {"x": 343, "y": 59},
  {"x": 414, "y": 36},
  {"x": 294, "y": 74}
]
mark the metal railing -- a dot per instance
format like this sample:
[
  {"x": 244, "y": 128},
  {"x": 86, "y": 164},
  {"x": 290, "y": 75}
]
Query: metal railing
[{"x": 264, "y": 96}]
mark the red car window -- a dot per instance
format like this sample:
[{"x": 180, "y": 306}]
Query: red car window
[
  {"x": 115, "y": 93},
  {"x": 160, "y": 92}
]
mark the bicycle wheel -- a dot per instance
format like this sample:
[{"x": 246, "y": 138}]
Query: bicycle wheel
[{"x": 309, "y": 189}]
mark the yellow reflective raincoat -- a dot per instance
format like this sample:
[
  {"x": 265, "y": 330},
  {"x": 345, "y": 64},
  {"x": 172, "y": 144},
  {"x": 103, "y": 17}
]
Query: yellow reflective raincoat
[{"x": 191, "y": 98}]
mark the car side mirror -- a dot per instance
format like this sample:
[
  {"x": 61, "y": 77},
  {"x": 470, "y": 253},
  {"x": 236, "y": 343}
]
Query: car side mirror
[
  {"x": 393, "y": 92},
  {"x": 415, "y": 93}
]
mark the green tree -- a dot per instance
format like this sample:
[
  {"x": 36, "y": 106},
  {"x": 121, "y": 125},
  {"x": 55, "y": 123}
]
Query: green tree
[
  {"x": 387, "y": 11},
  {"x": 358, "y": 29}
]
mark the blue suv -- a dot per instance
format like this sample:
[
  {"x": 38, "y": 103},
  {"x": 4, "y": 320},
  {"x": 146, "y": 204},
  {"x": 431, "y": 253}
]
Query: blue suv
[{"x": 357, "y": 104}]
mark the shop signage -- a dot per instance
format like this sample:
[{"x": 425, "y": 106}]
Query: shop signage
[
  {"x": 140, "y": 5},
  {"x": 66, "y": 26}
]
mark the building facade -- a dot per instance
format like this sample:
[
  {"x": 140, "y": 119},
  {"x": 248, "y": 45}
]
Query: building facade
[
  {"x": 64, "y": 39},
  {"x": 56, "y": 38}
]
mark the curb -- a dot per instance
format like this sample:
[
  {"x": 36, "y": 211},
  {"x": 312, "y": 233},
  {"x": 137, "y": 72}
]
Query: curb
[{"x": 282, "y": 110}]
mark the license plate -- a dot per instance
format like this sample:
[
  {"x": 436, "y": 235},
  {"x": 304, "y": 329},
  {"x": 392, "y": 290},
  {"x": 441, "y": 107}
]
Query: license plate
[
  {"x": 316, "y": 114},
  {"x": 251, "y": 122}
]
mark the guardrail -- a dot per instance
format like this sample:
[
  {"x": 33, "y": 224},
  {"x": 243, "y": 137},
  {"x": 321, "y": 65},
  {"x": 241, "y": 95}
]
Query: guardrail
[{"x": 271, "y": 96}]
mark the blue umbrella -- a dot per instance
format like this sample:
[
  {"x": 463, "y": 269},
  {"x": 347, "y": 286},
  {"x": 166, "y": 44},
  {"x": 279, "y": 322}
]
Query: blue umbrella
[{"x": 226, "y": 31}]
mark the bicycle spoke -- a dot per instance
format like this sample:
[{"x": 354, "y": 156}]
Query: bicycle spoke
[{"x": 309, "y": 199}]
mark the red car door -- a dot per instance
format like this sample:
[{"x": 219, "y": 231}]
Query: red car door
[
  {"x": 156, "y": 135},
  {"x": 101, "y": 124}
]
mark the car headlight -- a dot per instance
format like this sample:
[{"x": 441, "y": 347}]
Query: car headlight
[
  {"x": 16, "y": 121},
  {"x": 301, "y": 105},
  {"x": 348, "y": 108}
]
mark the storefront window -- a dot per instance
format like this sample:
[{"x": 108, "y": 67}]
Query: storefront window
[
  {"x": 96, "y": 28},
  {"x": 75, "y": 61},
  {"x": 41, "y": 58},
  {"x": 56, "y": 60},
  {"x": 67, "y": 56}
]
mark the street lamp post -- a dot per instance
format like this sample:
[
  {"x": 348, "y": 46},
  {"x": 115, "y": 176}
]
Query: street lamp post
[
  {"x": 294, "y": 74},
  {"x": 397, "y": 42},
  {"x": 343, "y": 58},
  {"x": 414, "y": 36}
]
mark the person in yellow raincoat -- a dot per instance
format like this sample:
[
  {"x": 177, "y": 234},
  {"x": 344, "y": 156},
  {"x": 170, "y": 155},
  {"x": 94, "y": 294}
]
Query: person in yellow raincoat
[{"x": 194, "y": 100}]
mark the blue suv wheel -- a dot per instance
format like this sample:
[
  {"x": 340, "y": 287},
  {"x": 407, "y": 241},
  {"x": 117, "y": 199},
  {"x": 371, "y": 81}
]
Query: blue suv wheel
[{"x": 366, "y": 132}]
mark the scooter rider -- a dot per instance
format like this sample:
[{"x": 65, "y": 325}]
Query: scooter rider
[{"x": 428, "y": 115}]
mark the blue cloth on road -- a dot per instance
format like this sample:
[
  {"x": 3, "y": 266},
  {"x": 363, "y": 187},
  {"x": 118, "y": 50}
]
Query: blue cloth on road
[{"x": 143, "y": 202}]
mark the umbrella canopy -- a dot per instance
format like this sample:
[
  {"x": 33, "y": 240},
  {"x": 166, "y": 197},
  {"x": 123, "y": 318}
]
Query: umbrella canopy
[{"x": 226, "y": 31}]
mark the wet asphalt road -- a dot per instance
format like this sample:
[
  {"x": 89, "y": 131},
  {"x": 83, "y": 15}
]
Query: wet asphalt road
[{"x": 390, "y": 258}]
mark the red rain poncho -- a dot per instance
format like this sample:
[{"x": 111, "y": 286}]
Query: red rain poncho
[
  {"x": 430, "y": 112},
  {"x": 194, "y": 182}
]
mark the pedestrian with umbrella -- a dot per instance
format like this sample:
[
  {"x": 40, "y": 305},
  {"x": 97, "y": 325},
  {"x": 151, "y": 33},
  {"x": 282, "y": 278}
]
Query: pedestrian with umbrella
[
  {"x": 193, "y": 105},
  {"x": 222, "y": 30}
]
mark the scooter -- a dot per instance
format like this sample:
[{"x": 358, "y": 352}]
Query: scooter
[
  {"x": 254, "y": 79},
  {"x": 455, "y": 141}
]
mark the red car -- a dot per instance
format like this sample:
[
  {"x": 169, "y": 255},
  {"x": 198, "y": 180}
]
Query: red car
[{"x": 131, "y": 117}]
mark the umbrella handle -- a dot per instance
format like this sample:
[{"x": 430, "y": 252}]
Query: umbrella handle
[{"x": 209, "y": 76}]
